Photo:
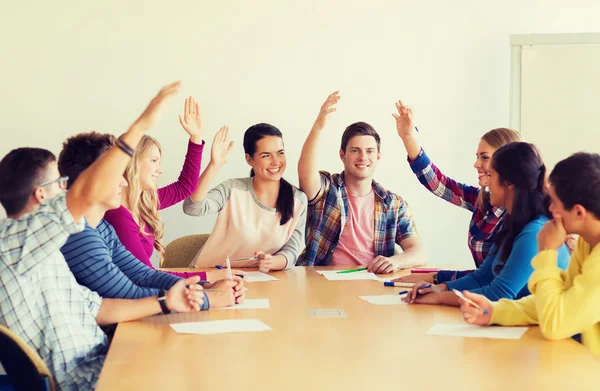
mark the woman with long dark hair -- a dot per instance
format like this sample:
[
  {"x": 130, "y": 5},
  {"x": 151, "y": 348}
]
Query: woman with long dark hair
[
  {"x": 261, "y": 217},
  {"x": 517, "y": 182}
]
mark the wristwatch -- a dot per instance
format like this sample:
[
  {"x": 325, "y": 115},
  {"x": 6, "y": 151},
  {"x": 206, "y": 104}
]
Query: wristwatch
[
  {"x": 435, "y": 279},
  {"x": 162, "y": 300}
]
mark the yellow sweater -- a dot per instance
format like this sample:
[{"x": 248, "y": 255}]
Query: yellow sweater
[{"x": 562, "y": 303}]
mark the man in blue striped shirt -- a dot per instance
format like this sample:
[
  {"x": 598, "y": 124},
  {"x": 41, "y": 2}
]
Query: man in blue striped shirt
[{"x": 96, "y": 256}]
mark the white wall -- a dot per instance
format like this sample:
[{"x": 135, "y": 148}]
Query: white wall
[
  {"x": 72, "y": 66},
  {"x": 560, "y": 97}
]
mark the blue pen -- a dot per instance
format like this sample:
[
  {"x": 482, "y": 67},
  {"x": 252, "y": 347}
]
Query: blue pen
[
  {"x": 425, "y": 286},
  {"x": 417, "y": 129},
  {"x": 402, "y": 292}
]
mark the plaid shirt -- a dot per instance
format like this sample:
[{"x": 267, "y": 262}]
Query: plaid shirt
[
  {"x": 42, "y": 303},
  {"x": 328, "y": 214},
  {"x": 485, "y": 222}
]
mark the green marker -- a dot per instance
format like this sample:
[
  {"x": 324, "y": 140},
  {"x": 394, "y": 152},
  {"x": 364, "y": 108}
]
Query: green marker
[{"x": 352, "y": 270}]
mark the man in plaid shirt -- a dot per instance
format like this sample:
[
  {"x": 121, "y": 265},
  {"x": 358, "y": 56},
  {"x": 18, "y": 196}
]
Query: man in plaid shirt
[
  {"x": 352, "y": 220},
  {"x": 40, "y": 299}
]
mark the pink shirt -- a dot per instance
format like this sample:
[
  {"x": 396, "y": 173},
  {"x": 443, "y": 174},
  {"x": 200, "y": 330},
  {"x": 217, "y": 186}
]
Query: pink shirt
[
  {"x": 356, "y": 245},
  {"x": 128, "y": 231}
]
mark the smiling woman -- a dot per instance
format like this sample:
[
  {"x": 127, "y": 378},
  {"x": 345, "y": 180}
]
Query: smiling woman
[
  {"x": 486, "y": 219},
  {"x": 261, "y": 217},
  {"x": 136, "y": 221}
]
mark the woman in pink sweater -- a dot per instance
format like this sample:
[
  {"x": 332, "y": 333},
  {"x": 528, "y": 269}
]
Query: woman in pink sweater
[{"x": 137, "y": 222}]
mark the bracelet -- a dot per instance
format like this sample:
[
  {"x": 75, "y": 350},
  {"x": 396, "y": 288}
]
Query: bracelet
[
  {"x": 162, "y": 300},
  {"x": 123, "y": 146},
  {"x": 435, "y": 279}
]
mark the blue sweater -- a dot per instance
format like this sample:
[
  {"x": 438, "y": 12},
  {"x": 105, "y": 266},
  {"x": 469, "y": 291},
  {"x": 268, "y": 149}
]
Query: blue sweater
[
  {"x": 511, "y": 281},
  {"x": 101, "y": 263}
]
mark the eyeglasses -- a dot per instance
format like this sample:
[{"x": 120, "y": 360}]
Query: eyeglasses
[{"x": 62, "y": 182}]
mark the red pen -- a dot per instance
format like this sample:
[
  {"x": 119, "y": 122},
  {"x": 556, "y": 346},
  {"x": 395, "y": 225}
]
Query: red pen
[{"x": 423, "y": 270}]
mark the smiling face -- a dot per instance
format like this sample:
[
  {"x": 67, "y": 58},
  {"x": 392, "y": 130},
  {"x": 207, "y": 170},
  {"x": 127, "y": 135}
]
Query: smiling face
[
  {"x": 361, "y": 157},
  {"x": 498, "y": 191},
  {"x": 269, "y": 160},
  {"x": 150, "y": 168},
  {"x": 482, "y": 164}
]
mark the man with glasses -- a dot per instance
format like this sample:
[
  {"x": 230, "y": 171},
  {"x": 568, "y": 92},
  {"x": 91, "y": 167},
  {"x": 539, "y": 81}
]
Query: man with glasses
[{"x": 40, "y": 300}]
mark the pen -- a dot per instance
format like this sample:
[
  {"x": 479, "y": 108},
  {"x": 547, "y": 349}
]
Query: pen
[
  {"x": 471, "y": 302},
  {"x": 352, "y": 270},
  {"x": 402, "y": 292},
  {"x": 399, "y": 284},
  {"x": 244, "y": 259},
  {"x": 423, "y": 270}
]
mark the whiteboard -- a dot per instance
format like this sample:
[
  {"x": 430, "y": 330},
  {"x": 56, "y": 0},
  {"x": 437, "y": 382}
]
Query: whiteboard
[{"x": 557, "y": 92}]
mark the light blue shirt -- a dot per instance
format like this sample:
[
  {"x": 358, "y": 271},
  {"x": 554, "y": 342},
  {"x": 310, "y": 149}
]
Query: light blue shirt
[{"x": 511, "y": 282}]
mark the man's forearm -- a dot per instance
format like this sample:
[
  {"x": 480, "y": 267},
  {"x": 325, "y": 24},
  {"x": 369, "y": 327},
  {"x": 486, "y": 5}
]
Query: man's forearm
[{"x": 120, "y": 310}]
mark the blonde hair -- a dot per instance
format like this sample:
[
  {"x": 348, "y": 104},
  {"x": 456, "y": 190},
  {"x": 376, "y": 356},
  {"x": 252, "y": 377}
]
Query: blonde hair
[
  {"x": 143, "y": 204},
  {"x": 497, "y": 138}
]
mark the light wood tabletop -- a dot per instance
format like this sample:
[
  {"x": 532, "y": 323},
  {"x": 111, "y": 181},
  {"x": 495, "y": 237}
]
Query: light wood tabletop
[{"x": 374, "y": 347}]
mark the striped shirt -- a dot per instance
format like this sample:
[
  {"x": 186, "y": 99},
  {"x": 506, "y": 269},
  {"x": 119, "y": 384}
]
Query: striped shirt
[
  {"x": 101, "y": 263},
  {"x": 328, "y": 214},
  {"x": 485, "y": 222},
  {"x": 41, "y": 301}
]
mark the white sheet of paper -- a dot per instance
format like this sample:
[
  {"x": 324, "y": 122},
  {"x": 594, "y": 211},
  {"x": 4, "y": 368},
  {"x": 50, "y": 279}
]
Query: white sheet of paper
[
  {"x": 384, "y": 299},
  {"x": 333, "y": 275},
  {"x": 249, "y": 304},
  {"x": 471, "y": 331},
  {"x": 258, "y": 277},
  {"x": 220, "y": 326}
]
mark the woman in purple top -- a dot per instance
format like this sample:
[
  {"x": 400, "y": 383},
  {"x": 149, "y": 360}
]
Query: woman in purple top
[{"x": 137, "y": 222}]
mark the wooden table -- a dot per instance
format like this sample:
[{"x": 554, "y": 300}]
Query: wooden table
[{"x": 374, "y": 347}]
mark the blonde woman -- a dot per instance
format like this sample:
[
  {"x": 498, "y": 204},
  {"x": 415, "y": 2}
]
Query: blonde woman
[
  {"x": 486, "y": 219},
  {"x": 136, "y": 221}
]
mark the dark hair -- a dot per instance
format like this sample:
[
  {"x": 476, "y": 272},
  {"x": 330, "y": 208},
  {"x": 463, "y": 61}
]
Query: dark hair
[
  {"x": 576, "y": 181},
  {"x": 359, "y": 129},
  {"x": 521, "y": 165},
  {"x": 285, "y": 199},
  {"x": 80, "y": 151},
  {"x": 21, "y": 170}
]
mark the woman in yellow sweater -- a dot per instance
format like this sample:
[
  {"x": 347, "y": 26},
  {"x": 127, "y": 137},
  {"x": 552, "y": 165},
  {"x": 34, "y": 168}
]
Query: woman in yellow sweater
[{"x": 564, "y": 304}]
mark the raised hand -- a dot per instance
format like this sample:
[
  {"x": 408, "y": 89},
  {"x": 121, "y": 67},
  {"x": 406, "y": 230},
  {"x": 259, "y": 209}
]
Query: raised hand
[
  {"x": 221, "y": 147},
  {"x": 153, "y": 112},
  {"x": 326, "y": 109},
  {"x": 404, "y": 120},
  {"x": 192, "y": 121}
]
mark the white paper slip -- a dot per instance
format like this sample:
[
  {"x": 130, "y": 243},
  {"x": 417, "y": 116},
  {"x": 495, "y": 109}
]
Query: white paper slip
[
  {"x": 258, "y": 277},
  {"x": 384, "y": 299},
  {"x": 327, "y": 313},
  {"x": 333, "y": 275},
  {"x": 471, "y": 331},
  {"x": 249, "y": 304},
  {"x": 220, "y": 326}
]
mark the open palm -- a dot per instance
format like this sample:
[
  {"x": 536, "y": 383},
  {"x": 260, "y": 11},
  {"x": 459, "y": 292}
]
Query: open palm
[
  {"x": 191, "y": 121},
  {"x": 221, "y": 147},
  {"x": 404, "y": 119}
]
